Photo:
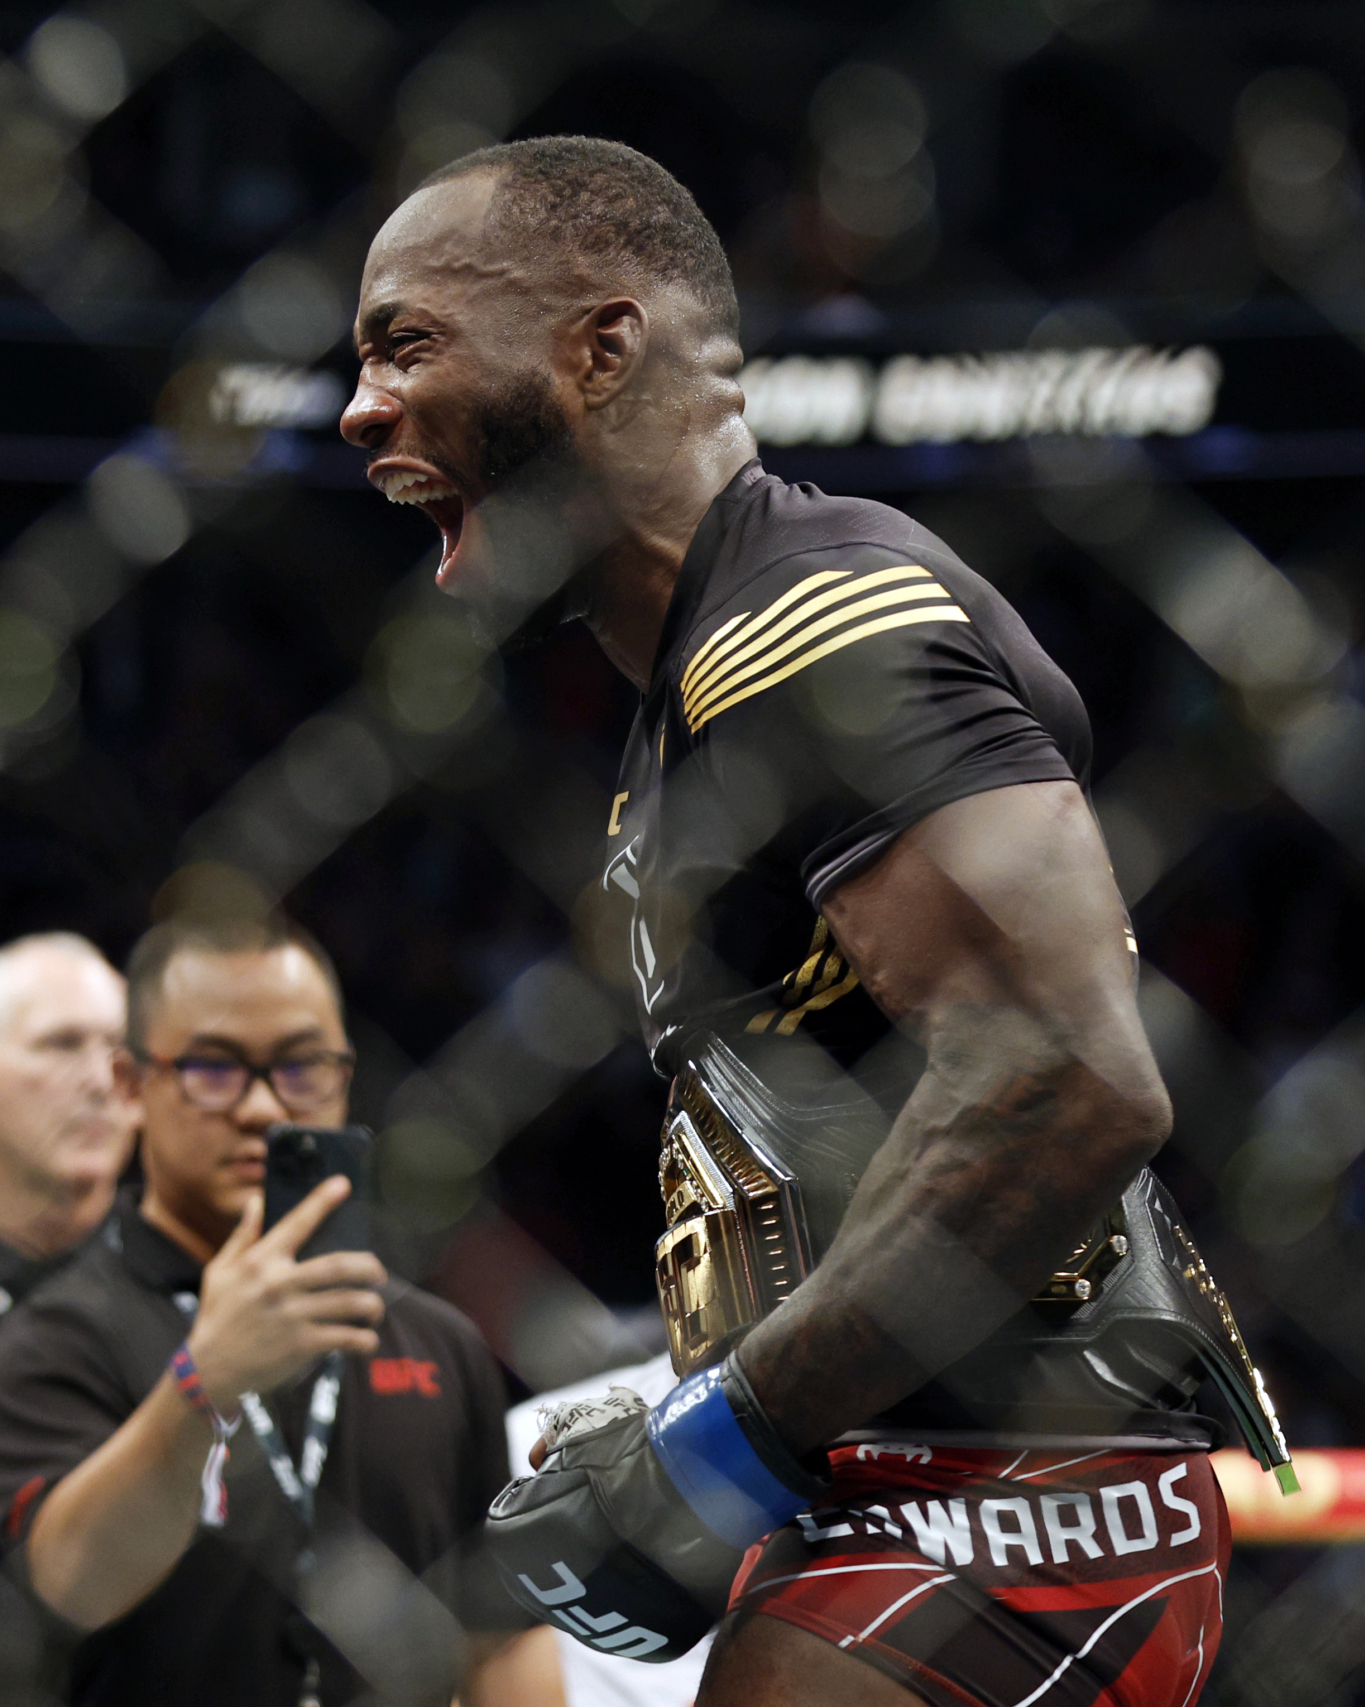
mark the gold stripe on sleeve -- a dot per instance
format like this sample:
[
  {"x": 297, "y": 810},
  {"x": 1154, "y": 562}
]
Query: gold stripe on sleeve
[
  {"x": 752, "y": 624},
  {"x": 705, "y": 648},
  {"x": 806, "y": 971},
  {"x": 898, "y": 619},
  {"x": 760, "y": 634},
  {"x": 822, "y": 999},
  {"x": 725, "y": 680}
]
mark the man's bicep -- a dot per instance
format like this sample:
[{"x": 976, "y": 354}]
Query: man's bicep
[{"x": 1001, "y": 901}]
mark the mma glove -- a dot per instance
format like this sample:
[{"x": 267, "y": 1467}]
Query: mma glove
[{"x": 631, "y": 1533}]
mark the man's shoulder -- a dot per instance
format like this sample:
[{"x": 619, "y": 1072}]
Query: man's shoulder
[
  {"x": 775, "y": 525},
  {"x": 20, "y": 1274},
  {"x": 93, "y": 1285},
  {"x": 88, "y": 1316},
  {"x": 786, "y": 544},
  {"x": 803, "y": 576}
]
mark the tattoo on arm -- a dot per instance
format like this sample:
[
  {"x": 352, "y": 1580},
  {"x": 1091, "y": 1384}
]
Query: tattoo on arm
[
  {"x": 993, "y": 933},
  {"x": 1006, "y": 1155}
]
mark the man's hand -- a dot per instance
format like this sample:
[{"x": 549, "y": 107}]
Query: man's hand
[
  {"x": 263, "y": 1316},
  {"x": 113, "y": 1528},
  {"x": 601, "y": 1539}
]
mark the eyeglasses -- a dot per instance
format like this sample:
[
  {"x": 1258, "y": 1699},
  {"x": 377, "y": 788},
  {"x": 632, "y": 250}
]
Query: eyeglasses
[{"x": 219, "y": 1083}]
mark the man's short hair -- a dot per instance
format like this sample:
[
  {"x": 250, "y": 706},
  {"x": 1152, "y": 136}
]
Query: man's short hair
[
  {"x": 66, "y": 942},
  {"x": 157, "y": 948},
  {"x": 62, "y": 942},
  {"x": 608, "y": 203}
]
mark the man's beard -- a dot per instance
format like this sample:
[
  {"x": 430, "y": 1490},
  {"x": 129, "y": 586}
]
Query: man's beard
[
  {"x": 525, "y": 425},
  {"x": 527, "y": 463}
]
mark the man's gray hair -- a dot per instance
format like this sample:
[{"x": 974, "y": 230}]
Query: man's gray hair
[
  {"x": 61, "y": 942},
  {"x": 70, "y": 942}
]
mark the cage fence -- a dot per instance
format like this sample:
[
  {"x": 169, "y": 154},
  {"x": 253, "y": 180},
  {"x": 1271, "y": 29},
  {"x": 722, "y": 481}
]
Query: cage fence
[{"x": 1080, "y": 283}]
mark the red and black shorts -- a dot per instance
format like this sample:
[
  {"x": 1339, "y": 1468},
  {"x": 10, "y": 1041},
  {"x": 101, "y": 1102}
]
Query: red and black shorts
[{"x": 979, "y": 1578}]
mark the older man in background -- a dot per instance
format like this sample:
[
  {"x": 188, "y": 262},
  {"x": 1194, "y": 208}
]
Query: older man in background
[{"x": 66, "y": 1123}]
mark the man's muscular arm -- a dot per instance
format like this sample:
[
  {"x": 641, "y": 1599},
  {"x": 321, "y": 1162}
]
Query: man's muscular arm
[{"x": 993, "y": 933}]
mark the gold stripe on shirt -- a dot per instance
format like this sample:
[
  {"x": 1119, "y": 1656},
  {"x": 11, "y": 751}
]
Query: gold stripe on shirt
[
  {"x": 825, "y": 993},
  {"x": 806, "y": 971},
  {"x": 719, "y": 635},
  {"x": 821, "y": 999},
  {"x": 763, "y": 631},
  {"x": 754, "y": 623},
  {"x": 725, "y": 681},
  {"x": 897, "y": 619}
]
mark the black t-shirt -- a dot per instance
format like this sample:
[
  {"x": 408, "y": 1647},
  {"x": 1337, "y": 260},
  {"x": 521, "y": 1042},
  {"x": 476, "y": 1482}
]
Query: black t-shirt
[
  {"x": 829, "y": 673},
  {"x": 22, "y": 1633},
  {"x": 19, "y": 1274},
  {"x": 416, "y": 1455}
]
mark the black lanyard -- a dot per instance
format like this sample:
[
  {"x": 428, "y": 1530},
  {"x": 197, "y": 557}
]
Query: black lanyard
[{"x": 296, "y": 1482}]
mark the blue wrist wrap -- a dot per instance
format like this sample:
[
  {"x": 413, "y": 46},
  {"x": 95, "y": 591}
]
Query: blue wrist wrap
[{"x": 707, "y": 1457}]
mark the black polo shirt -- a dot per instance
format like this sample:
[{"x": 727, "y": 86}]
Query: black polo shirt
[
  {"x": 22, "y": 1635},
  {"x": 829, "y": 673},
  {"x": 19, "y": 1274},
  {"x": 416, "y": 1455}
]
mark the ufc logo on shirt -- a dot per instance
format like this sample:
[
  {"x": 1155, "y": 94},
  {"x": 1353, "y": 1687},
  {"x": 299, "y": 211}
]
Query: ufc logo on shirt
[{"x": 389, "y": 1375}]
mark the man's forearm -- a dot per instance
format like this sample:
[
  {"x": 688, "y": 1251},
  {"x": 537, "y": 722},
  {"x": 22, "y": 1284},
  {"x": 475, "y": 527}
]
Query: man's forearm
[
  {"x": 109, "y": 1532},
  {"x": 991, "y": 1176},
  {"x": 514, "y": 1671}
]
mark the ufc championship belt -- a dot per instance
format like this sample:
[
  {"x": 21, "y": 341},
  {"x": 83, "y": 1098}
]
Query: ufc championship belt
[{"x": 755, "y": 1187}]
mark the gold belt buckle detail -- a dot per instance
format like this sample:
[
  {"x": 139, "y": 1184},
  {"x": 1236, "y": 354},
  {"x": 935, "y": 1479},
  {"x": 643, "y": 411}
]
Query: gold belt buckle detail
[{"x": 735, "y": 1245}]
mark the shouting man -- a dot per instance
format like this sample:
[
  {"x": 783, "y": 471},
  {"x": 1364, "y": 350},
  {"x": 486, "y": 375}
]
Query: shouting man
[{"x": 879, "y": 951}]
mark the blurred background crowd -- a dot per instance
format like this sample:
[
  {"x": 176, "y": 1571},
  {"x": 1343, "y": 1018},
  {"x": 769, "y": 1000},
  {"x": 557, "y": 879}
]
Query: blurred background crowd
[{"x": 1078, "y": 283}]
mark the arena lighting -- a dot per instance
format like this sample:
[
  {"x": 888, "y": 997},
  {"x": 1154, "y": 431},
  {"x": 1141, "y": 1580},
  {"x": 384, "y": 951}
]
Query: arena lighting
[
  {"x": 271, "y": 394},
  {"x": 1329, "y": 1507},
  {"x": 1123, "y": 393}
]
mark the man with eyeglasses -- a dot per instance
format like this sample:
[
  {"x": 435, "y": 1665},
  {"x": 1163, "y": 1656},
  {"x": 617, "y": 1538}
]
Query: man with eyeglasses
[
  {"x": 235, "y": 1475},
  {"x": 66, "y": 1124}
]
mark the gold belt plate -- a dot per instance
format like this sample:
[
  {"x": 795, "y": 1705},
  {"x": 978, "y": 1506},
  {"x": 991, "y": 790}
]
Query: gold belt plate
[{"x": 737, "y": 1242}]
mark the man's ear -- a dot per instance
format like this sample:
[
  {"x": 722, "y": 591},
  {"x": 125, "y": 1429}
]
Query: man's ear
[
  {"x": 614, "y": 337},
  {"x": 127, "y": 1076}
]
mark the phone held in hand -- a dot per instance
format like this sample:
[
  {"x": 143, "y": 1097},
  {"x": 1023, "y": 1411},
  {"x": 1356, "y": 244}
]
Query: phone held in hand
[{"x": 298, "y": 1159}]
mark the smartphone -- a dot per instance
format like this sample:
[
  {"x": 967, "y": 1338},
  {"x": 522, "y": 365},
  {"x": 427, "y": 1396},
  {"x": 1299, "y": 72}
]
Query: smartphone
[{"x": 298, "y": 1158}]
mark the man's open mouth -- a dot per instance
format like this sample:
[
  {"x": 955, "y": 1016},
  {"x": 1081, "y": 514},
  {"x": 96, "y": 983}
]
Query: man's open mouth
[{"x": 403, "y": 481}]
